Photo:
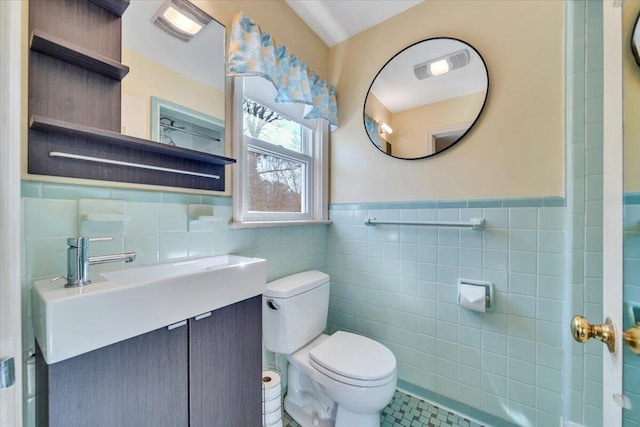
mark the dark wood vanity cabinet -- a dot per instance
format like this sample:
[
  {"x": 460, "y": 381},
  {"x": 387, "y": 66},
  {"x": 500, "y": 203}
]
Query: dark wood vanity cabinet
[
  {"x": 204, "y": 373},
  {"x": 225, "y": 356},
  {"x": 137, "y": 382}
]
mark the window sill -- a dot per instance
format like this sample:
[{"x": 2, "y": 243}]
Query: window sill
[{"x": 266, "y": 224}]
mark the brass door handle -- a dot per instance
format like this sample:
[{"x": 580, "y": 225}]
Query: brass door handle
[
  {"x": 583, "y": 331},
  {"x": 631, "y": 338}
]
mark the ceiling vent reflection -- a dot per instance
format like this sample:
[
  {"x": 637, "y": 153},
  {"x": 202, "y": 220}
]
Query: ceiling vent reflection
[{"x": 441, "y": 65}]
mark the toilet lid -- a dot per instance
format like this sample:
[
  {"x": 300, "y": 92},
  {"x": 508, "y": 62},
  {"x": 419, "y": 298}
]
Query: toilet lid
[{"x": 354, "y": 356}]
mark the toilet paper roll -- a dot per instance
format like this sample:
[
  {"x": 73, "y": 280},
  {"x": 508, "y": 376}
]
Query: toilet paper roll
[
  {"x": 473, "y": 297},
  {"x": 271, "y": 393},
  {"x": 270, "y": 379},
  {"x": 271, "y": 405},
  {"x": 276, "y": 424},
  {"x": 272, "y": 417},
  {"x": 271, "y": 386}
]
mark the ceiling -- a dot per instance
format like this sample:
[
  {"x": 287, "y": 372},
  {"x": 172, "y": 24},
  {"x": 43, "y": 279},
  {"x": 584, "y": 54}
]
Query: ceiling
[{"x": 336, "y": 20}]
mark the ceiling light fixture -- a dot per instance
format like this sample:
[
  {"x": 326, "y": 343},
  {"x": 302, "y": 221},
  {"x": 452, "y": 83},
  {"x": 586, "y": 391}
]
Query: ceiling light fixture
[
  {"x": 181, "y": 18},
  {"x": 383, "y": 127},
  {"x": 442, "y": 65}
]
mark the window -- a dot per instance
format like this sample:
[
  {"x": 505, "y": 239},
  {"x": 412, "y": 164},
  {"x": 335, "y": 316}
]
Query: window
[{"x": 281, "y": 172}]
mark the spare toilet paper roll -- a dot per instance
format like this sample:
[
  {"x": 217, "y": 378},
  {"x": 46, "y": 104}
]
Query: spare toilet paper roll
[
  {"x": 272, "y": 417},
  {"x": 270, "y": 385},
  {"x": 271, "y": 405},
  {"x": 276, "y": 424},
  {"x": 473, "y": 297}
]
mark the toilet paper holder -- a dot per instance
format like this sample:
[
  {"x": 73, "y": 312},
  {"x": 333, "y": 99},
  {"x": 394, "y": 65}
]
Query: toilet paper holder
[{"x": 477, "y": 287}]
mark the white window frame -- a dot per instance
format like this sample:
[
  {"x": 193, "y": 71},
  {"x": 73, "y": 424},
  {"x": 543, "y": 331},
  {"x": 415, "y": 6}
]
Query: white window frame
[{"x": 317, "y": 185}]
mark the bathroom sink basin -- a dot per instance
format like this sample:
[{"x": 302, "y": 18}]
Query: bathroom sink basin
[{"x": 123, "y": 304}]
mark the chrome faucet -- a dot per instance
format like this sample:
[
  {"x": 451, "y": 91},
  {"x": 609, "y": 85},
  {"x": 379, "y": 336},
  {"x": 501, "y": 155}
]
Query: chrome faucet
[{"x": 78, "y": 260}]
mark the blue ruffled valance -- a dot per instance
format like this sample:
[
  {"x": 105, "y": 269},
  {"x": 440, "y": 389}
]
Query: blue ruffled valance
[{"x": 253, "y": 52}]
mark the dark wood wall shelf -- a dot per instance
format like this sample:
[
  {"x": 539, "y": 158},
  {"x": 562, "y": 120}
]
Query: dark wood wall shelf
[
  {"x": 117, "y": 7},
  {"x": 60, "y": 127},
  {"x": 76, "y": 55},
  {"x": 75, "y": 79}
]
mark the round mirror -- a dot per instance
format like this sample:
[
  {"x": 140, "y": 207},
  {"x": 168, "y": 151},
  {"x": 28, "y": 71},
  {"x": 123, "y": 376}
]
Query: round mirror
[{"x": 426, "y": 98}]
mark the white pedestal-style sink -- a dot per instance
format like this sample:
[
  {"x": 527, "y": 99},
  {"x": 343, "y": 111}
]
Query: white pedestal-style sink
[{"x": 126, "y": 303}]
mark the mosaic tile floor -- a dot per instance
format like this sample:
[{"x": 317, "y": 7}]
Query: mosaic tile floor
[{"x": 409, "y": 411}]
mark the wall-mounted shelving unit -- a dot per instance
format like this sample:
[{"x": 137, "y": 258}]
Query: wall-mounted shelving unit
[
  {"x": 60, "y": 127},
  {"x": 57, "y": 48},
  {"x": 75, "y": 74},
  {"x": 117, "y": 7}
]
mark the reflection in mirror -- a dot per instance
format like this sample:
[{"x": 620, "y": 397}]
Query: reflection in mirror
[
  {"x": 376, "y": 131},
  {"x": 180, "y": 126},
  {"x": 426, "y": 98},
  {"x": 186, "y": 79},
  {"x": 631, "y": 99},
  {"x": 635, "y": 41}
]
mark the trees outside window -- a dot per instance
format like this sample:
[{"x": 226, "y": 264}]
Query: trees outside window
[
  {"x": 282, "y": 172},
  {"x": 277, "y": 160}
]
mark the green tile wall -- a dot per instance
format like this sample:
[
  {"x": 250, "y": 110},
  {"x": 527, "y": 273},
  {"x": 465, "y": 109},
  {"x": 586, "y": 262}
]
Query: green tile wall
[
  {"x": 158, "y": 231},
  {"x": 631, "y": 265},
  {"x": 398, "y": 284}
]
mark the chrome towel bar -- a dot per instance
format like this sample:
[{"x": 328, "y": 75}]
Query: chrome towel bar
[
  {"x": 474, "y": 223},
  {"x": 129, "y": 164}
]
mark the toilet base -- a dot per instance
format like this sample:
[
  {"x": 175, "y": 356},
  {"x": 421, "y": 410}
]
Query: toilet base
[
  {"x": 306, "y": 402},
  {"x": 346, "y": 418},
  {"x": 304, "y": 415}
]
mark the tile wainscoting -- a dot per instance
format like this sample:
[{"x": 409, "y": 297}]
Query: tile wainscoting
[{"x": 398, "y": 284}]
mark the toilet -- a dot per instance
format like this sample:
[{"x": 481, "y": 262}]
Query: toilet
[{"x": 339, "y": 380}]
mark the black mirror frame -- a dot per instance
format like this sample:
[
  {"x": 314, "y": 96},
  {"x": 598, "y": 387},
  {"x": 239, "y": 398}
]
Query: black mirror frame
[
  {"x": 634, "y": 47},
  {"x": 484, "y": 103}
]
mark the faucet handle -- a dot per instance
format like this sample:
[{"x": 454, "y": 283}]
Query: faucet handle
[{"x": 100, "y": 239}]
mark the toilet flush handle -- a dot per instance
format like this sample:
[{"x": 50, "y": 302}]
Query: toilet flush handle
[{"x": 272, "y": 304}]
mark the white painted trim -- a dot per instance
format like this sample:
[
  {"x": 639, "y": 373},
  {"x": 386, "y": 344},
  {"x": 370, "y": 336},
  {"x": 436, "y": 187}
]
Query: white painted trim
[
  {"x": 612, "y": 205},
  {"x": 10, "y": 150},
  {"x": 239, "y": 151},
  {"x": 321, "y": 168},
  {"x": 269, "y": 224},
  {"x": 434, "y": 133},
  {"x": 317, "y": 192}
]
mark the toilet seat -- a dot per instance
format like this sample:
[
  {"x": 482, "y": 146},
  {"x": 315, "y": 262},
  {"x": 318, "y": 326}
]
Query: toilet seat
[{"x": 354, "y": 359}]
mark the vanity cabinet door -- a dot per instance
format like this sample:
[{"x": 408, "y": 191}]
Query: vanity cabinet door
[
  {"x": 134, "y": 383},
  {"x": 225, "y": 358}
]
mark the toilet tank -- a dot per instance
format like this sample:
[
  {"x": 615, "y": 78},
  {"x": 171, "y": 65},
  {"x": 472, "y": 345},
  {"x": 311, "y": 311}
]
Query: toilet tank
[{"x": 294, "y": 311}]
